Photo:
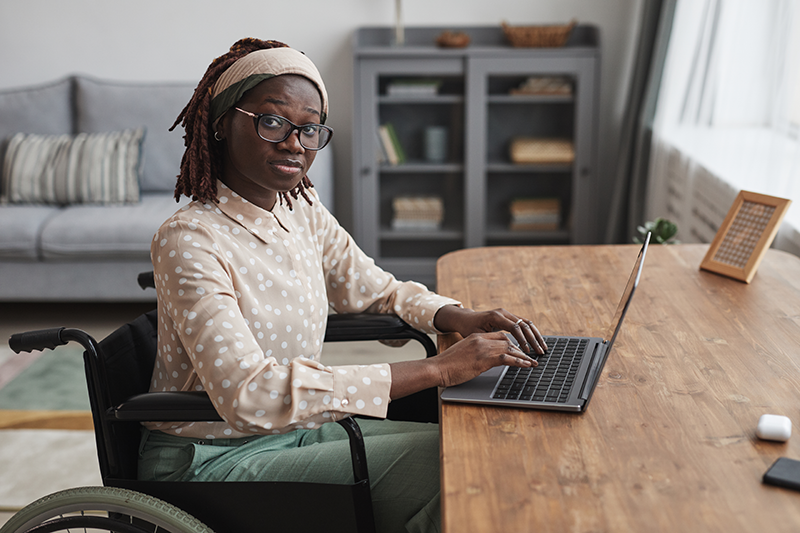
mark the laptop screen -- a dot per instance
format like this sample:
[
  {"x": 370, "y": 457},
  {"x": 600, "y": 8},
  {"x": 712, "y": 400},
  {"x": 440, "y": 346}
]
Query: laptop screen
[{"x": 633, "y": 282}]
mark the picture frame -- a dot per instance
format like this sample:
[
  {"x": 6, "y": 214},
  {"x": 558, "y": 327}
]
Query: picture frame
[{"x": 744, "y": 236}]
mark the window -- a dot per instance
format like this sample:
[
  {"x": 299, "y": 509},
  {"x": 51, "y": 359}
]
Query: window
[
  {"x": 728, "y": 115},
  {"x": 794, "y": 84}
]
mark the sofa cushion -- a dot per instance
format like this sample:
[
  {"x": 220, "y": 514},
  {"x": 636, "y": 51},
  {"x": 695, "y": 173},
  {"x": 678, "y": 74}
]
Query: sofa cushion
[
  {"x": 43, "y": 109},
  {"x": 109, "y": 106},
  {"x": 90, "y": 232},
  {"x": 88, "y": 168},
  {"x": 21, "y": 225}
]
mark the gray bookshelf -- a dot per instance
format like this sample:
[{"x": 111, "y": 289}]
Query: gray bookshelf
[{"x": 477, "y": 180}]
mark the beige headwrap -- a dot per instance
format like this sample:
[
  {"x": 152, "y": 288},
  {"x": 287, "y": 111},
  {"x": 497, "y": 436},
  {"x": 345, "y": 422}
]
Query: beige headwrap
[{"x": 258, "y": 66}]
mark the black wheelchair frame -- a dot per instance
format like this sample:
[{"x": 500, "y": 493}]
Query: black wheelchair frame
[{"x": 118, "y": 372}]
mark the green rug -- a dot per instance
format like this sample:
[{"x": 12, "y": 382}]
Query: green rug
[{"x": 55, "y": 381}]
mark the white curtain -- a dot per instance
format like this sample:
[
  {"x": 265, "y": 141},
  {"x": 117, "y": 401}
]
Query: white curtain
[{"x": 728, "y": 115}]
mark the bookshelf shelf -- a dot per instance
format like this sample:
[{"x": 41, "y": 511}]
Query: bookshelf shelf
[
  {"x": 530, "y": 99},
  {"x": 485, "y": 97},
  {"x": 420, "y": 100},
  {"x": 553, "y": 236},
  {"x": 507, "y": 167},
  {"x": 421, "y": 235},
  {"x": 417, "y": 167}
]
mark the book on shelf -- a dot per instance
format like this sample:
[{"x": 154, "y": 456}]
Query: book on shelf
[
  {"x": 535, "y": 214},
  {"x": 415, "y": 225},
  {"x": 398, "y": 148},
  {"x": 544, "y": 85},
  {"x": 391, "y": 144},
  {"x": 414, "y": 87},
  {"x": 380, "y": 152},
  {"x": 417, "y": 212},
  {"x": 541, "y": 150},
  {"x": 386, "y": 149}
]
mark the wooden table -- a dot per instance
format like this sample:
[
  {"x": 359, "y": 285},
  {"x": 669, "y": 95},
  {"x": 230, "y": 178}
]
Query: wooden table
[{"x": 668, "y": 441}]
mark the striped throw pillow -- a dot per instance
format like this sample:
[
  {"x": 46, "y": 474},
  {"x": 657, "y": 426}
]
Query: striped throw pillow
[{"x": 88, "y": 168}]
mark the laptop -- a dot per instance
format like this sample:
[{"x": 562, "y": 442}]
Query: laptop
[{"x": 567, "y": 374}]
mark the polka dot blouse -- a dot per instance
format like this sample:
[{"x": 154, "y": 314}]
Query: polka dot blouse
[{"x": 243, "y": 300}]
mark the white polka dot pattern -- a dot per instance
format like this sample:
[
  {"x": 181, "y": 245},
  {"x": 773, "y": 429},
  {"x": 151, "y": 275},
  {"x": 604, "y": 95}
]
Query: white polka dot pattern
[{"x": 243, "y": 305}]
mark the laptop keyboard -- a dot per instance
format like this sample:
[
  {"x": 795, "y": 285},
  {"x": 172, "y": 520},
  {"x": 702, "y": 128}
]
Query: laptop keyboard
[{"x": 549, "y": 382}]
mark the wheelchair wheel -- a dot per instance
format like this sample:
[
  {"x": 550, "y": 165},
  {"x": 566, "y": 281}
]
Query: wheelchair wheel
[{"x": 102, "y": 509}]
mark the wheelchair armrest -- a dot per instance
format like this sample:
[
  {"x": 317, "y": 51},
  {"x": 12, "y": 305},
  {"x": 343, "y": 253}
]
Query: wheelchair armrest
[
  {"x": 372, "y": 327},
  {"x": 196, "y": 406},
  {"x": 184, "y": 406}
]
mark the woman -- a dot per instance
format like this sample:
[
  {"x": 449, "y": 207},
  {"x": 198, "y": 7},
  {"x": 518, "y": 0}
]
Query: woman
[{"x": 245, "y": 276}]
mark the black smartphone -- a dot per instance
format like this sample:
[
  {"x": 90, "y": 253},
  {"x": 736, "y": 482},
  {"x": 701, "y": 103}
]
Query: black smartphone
[{"x": 784, "y": 472}]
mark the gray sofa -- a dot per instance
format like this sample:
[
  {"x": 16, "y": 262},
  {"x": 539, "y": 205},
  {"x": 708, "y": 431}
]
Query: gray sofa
[{"x": 86, "y": 252}]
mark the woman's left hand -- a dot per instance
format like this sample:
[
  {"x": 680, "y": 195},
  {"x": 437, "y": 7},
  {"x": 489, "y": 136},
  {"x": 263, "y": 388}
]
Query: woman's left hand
[{"x": 452, "y": 318}]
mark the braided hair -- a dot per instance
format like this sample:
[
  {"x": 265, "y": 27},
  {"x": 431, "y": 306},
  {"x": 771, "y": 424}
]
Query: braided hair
[{"x": 203, "y": 159}]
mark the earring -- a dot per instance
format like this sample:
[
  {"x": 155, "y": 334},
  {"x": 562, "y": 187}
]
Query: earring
[{"x": 217, "y": 137}]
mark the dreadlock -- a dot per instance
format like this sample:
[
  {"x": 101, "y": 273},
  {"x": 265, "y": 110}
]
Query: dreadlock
[{"x": 203, "y": 159}]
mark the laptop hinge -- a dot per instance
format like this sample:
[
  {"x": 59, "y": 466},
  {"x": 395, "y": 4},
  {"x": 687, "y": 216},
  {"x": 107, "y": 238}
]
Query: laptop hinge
[{"x": 591, "y": 375}]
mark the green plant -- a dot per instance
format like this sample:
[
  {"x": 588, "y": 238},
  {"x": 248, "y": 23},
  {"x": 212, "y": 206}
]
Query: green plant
[{"x": 662, "y": 231}]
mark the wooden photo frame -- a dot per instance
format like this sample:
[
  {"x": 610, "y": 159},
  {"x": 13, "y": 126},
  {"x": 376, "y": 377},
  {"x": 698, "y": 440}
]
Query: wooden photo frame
[{"x": 745, "y": 234}]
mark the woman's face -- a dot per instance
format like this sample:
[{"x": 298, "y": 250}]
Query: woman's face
[{"x": 257, "y": 169}]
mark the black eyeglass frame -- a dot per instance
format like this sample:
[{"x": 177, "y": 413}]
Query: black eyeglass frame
[{"x": 257, "y": 119}]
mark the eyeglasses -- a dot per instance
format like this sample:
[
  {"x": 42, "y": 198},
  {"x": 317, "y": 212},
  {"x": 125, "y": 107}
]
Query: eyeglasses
[{"x": 275, "y": 129}]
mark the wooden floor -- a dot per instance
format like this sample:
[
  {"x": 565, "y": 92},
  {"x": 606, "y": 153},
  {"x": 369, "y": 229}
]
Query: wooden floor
[{"x": 45, "y": 420}]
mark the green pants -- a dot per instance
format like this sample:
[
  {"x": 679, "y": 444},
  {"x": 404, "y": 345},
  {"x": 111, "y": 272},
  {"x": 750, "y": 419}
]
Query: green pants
[{"x": 403, "y": 461}]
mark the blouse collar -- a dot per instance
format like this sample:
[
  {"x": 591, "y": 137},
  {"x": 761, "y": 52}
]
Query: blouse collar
[{"x": 259, "y": 222}]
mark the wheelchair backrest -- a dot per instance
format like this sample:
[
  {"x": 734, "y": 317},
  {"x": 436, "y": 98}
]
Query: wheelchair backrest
[{"x": 126, "y": 359}]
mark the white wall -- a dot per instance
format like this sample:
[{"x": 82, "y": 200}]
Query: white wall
[{"x": 166, "y": 40}]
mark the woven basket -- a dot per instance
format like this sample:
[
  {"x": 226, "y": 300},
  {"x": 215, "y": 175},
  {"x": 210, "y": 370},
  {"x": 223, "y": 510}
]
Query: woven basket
[{"x": 538, "y": 36}]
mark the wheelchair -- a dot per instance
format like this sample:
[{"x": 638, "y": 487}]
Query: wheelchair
[{"x": 118, "y": 371}]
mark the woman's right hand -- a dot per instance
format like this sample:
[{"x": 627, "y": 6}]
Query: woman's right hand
[
  {"x": 461, "y": 362},
  {"x": 476, "y": 354}
]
